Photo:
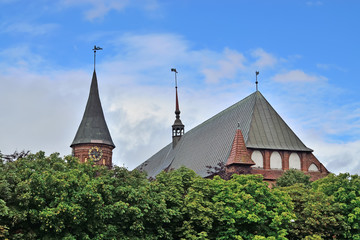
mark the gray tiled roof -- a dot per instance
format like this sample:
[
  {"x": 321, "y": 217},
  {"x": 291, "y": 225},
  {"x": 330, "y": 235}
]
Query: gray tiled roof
[
  {"x": 210, "y": 142},
  {"x": 93, "y": 128}
]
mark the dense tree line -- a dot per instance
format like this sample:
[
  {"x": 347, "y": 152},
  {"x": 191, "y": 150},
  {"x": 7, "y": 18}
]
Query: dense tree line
[{"x": 49, "y": 197}]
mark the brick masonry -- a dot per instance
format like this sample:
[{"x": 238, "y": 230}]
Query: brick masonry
[
  {"x": 306, "y": 159},
  {"x": 81, "y": 151},
  {"x": 270, "y": 175}
]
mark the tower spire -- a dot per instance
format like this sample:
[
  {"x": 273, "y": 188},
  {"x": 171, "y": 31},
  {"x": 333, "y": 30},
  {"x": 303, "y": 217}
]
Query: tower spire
[
  {"x": 92, "y": 140},
  {"x": 177, "y": 127}
]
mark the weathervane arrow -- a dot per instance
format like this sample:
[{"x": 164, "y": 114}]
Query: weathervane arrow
[
  {"x": 95, "y": 49},
  {"x": 174, "y": 70}
]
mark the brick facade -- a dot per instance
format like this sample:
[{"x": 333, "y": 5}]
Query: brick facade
[
  {"x": 306, "y": 159},
  {"x": 81, "y": 151}
]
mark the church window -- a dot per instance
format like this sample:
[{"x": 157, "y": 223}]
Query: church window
[
  {"x": 275, "y": 161},
  {"x": 257, "y": 157},
  {"x": 294, "y": 161},
  {"x": 313, "y": 168}
]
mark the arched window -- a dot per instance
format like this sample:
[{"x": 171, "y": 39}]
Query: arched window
[
  {"x": 294, "y": 161},
  {"x": 313, "y": 168},
  {"x": 257, "y": 157},
  {"x": 275, "y": 161}
]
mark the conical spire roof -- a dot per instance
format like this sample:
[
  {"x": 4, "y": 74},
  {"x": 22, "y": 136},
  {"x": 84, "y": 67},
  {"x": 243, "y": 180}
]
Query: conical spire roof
[
  {"x": 177, "y": 110},
  {"x": 239, "y": 154},
  {"x": 211, "y": 142},
  {"x": 93, "y": 128}
]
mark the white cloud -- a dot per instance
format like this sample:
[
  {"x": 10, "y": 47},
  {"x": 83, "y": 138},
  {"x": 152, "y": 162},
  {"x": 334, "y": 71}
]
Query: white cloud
[
  {"x": 330, "y": 66},
  {"x": 19, "y": 57},
  {"x": 338, "y": 157},
  {"x": 227, "y": 67},
  {"x": 40, "y": 110},
  {"x": 264, "y": 59},
  {"x": 29, "y": 28},
  {"x": 297, "y": 76},
  {"x": 98, "y": 9}
]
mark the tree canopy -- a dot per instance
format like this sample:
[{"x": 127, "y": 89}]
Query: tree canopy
[
  {"x": 291, "y": 177},
  {"x": 49, "y": 197}
]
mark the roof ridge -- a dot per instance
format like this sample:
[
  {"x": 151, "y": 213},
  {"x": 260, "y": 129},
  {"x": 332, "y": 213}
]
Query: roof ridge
[{"x": 222, "y": 112}]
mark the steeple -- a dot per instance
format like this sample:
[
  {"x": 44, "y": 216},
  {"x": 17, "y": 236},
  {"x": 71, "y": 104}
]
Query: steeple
[
  {"x": 178, "y": 128},
  {"x": 92, "y": 141},
  {"x": 93, "y": 127}
]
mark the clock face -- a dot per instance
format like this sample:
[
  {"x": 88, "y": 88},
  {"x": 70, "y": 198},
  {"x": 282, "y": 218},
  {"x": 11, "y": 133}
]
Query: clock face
[{"x": 95, "y": 153}]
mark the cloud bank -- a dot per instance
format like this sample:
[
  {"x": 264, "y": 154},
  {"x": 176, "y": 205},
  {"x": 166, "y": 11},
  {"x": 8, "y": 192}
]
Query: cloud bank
[{"x": 44, "y": 108}]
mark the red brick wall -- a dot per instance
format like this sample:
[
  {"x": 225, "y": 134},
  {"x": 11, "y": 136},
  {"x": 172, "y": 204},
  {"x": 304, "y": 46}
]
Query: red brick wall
[
  {"x": 81, "y": 151},
  {"x": 306, "y": 158}
]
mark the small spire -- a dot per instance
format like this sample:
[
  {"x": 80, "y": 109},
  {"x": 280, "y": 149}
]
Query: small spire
[
  {"x": 177, "y": 109},
  {"x": 95, "y": 49},
  {"x": 239, "y": 154},
  {"x": 256, "y": 73},
  {"x": 177, "y": 127}
]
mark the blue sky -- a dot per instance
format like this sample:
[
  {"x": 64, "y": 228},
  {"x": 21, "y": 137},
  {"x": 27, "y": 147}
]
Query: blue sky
[{"x": 306, "y": 52}]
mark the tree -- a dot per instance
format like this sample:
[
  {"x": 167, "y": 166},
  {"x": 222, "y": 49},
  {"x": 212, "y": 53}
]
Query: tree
[
  {"x": 291, "y": 177},
  {"x": 344, "y": 188},
  {"x": 317, "y": 215},
  {"x": 240, "y": 208},
  {"x": 247, "y": 209},
  {"x": 53, "y": 198}
]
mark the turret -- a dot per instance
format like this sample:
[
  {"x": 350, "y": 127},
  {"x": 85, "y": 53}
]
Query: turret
[
  {"x": 92, "y": 141},
  {"x": 178, "y": 129}
]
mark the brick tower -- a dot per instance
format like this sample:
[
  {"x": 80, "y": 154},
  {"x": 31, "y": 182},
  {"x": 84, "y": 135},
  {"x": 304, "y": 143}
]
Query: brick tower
[{"x": 92, "y": 141}]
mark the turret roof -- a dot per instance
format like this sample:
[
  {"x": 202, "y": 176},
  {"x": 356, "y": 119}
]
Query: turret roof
[{"x": 93, "y": 128}]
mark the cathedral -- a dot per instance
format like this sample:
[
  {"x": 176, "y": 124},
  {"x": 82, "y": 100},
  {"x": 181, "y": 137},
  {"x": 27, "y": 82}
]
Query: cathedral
[{"x": 248, "y": 137}]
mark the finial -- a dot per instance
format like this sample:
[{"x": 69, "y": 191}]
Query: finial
[
  {"x": 174, "y": 70},
  {"x": 95, "y": 49},
  {"x": 177, "y": 110},
  {"x": 256, "y": 73}
]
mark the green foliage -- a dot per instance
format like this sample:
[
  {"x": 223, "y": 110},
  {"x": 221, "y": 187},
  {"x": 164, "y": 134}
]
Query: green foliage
[
  {"x": 58, "y": 198},
  {"x": 328, "y": 209},
  {"x": 345, "y": 189},
  {"x": 316, "y": 213},
  {"x": 240, "y": 208},
  {"x": 291, "y": 177},
  {"x": 55, "y": 198},
  {"x": 247, "y": 208}
]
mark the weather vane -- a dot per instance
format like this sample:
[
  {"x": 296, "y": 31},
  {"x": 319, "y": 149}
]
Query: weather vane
[
  {"x": 95, "y": 49},
  {"x": 256, "y": 73},
  {"x": 174, "y": 70}
]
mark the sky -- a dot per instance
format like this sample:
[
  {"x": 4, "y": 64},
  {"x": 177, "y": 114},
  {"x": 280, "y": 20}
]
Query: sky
[{"x": 307, "y": 53}]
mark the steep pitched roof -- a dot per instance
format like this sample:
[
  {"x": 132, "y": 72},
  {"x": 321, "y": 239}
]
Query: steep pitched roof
[
  {"x": 93, "y": 128},
  {"x": 210, "y": 142},
  {"x": 239, "y": 154}
]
